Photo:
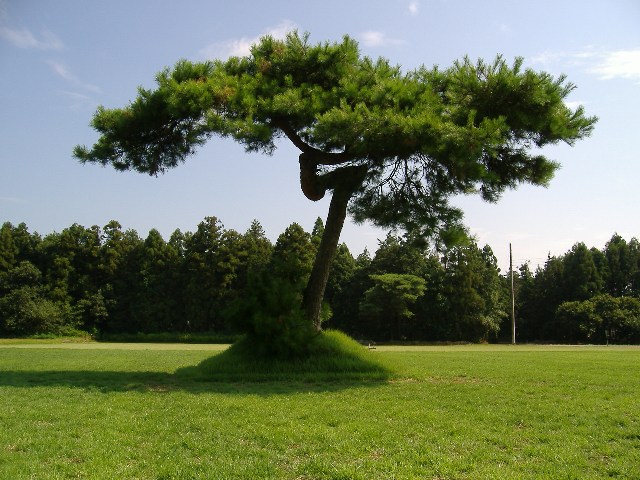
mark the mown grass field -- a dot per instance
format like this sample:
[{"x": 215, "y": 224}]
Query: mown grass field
[{"x": 125, "y": 411}]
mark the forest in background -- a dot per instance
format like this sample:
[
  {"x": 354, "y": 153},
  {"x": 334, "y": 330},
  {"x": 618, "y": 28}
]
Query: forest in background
[{"x": 108, "y": 281}]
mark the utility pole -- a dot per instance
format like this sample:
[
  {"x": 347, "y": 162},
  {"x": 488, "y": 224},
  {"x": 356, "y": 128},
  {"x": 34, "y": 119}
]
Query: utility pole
[{"x": 513, "y": 300}]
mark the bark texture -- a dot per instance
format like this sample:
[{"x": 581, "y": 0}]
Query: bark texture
[{"x": 344, "y": 182}]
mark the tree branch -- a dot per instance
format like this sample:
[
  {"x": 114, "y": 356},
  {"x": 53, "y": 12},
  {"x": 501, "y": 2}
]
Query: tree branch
[{"x": 318, "y": 156}]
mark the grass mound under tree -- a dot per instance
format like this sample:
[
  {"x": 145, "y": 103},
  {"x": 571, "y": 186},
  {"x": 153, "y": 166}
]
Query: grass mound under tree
[{"x": 331, "y": 356}]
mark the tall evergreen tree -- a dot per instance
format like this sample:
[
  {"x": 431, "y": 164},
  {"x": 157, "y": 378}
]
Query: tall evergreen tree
[
  {"x": 581, "y": 276},
  {"x": 292, "y": 257},
  {"x": 158, "y": 304},
  {"x": 549, "y": 295},
  {"x": 258, "y": 246},
  {"x": 622, "y": 267},
  {"x": 388, "y": 301},
  {"x": 8, "y": 249},
  {"x": 212, "y": 257},
  {"x": 257, "y": 250},
  {"x": 525, "y": 303},
  {"x": 120, "y": 272},
  {"x": 395, "y": 255},
  {"x": 471, "y": 292},
  {"x": 431, "y": 319},
  {"x": 338, "y": 295}
]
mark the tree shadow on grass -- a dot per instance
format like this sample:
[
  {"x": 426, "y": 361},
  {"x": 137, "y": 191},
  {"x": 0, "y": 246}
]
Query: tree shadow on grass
[
  {"x": 182, "y": 380},
  {"x": 104, "y": 381},
  {"x": 337, "y": 364}
]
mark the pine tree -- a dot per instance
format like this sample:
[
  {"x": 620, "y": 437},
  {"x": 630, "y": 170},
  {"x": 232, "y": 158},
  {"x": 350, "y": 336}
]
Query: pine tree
[{"x": 391, "y": 146}]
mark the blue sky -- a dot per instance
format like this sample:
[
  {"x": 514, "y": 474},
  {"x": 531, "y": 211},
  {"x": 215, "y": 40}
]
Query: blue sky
[{"x": 60, "y": 60}]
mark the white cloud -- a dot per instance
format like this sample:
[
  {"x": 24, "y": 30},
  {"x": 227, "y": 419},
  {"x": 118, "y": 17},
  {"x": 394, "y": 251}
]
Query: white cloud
[
  {"x": 414, "y": 8},
  {"x": 618, "y": 64},
  {"x": 373, "y": 38},
  {"x": 80, "y": 101},
  {"x": 62, "y": 71},
  {"x": 606, "y": 64},
  {"x": 23, "y": 38},
  {"x": 241, "y": 47},
  {"x": 545, "y": 58}
]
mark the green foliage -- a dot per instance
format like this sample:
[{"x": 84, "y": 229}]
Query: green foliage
[
  {"x": 25, "y": 312},
  {"x": 581, "y": 275},
  {"x": 273, "y": 319},
  {"x": 293, "y": 256},
  {"x": 622, "y": 270},
  {"x": 212, "y": 258},
  {"x": 576, "y": 277},
  {"x": 90, "y": 312},
  {"x": 270, "y": 311},
  {"x": 472, "y": 298},
  {"x": 601, "y": 319},
  {"x": 258, "y": 250},
  {"x": 389, "y": 299},
  {"x": 109, "y": 281},
  {"x": 24, "y": 309},
  {"x": 8, "y": 248}
]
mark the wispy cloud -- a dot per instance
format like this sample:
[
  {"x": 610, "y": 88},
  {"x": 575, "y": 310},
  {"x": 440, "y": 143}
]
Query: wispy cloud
[
  {"x": 24, "y": 38},
  {"x": 414, "y": 8},
  {"x": 240, "y": 47},
  {"x": 618, "y": 64},
  {"x": 80, "y": 101},
  {"x": 374, "y": 38},
  {"x": 606, "y": 64},
  {"x": 62, "y": 71}
]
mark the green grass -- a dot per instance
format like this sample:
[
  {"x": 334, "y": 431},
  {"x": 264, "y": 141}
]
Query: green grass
[
  {"x": 140, "y": 411},
  {"x": 333, "y": 357}
]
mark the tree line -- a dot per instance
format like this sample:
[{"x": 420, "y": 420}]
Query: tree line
[{"x": 109, "y": 280}]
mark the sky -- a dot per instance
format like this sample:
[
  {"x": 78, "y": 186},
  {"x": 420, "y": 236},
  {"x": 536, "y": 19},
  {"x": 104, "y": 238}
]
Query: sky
[{"x": 60, "y": 60}]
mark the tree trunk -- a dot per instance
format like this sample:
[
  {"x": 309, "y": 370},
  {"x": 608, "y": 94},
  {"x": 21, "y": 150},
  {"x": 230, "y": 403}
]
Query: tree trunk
[
  {"x": 344, "y": 182},
  {"x": 314, "y": 293}
]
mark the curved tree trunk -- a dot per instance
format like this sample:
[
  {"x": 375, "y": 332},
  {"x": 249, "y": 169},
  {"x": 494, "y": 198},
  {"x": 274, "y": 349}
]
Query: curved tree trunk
[
  {"x": 344, "y": 182},
  {"x": 314, "y": 293}
]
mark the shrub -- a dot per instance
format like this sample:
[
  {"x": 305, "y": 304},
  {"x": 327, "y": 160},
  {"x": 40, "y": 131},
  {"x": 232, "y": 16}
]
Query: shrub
[
  {"x": 272, "y": 318},
  {"x": 601, "y": 319},
  {"x": 24, "y": 312}
]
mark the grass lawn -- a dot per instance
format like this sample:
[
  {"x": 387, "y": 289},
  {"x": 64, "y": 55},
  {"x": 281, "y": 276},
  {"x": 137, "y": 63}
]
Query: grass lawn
[{"x": 124, "y": 411}]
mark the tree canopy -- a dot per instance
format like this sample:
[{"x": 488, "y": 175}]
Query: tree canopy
[{"x": 392, "y": 146}]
